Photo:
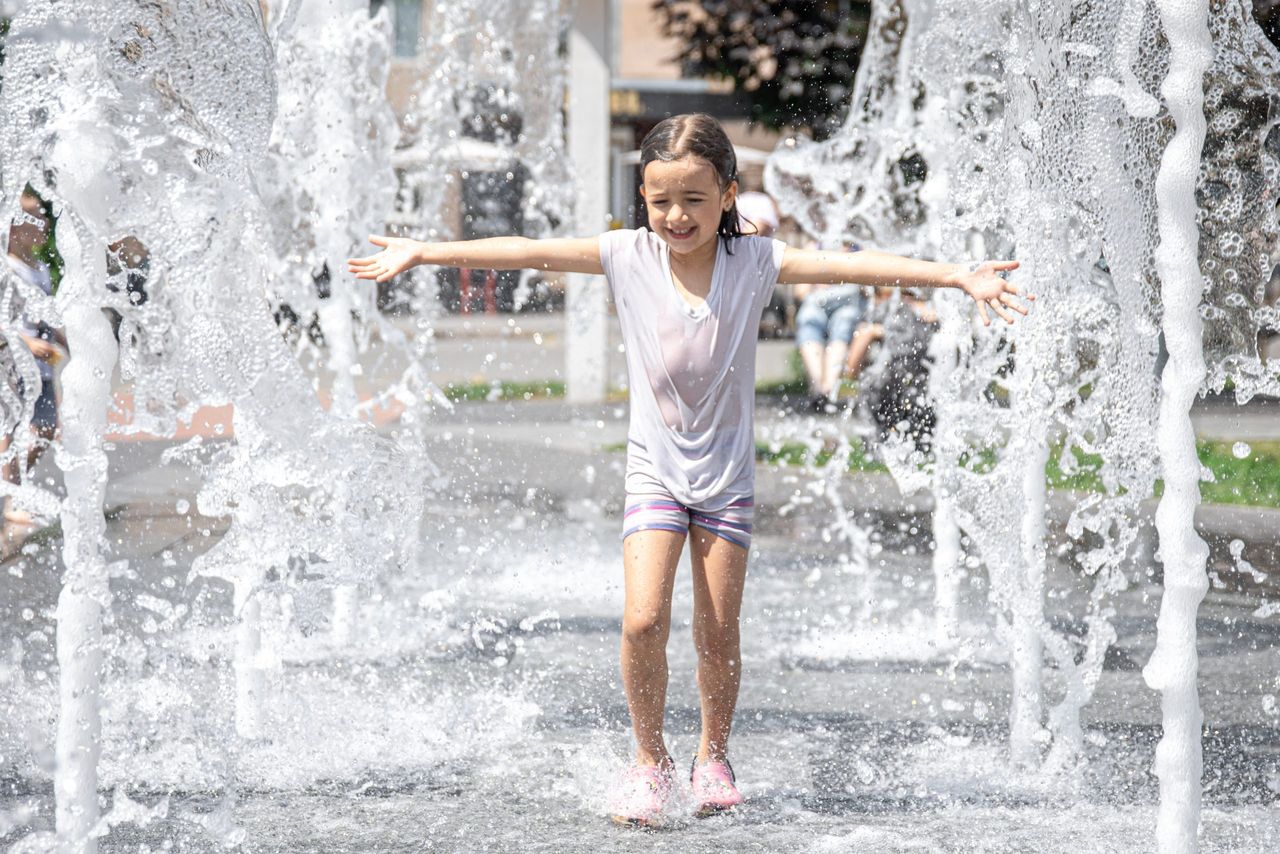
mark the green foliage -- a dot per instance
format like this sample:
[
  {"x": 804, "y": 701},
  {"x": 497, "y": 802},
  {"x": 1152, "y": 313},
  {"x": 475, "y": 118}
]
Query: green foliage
[
  {"x": 793, "y": 60},
  {"x": 47, "y": 253}
]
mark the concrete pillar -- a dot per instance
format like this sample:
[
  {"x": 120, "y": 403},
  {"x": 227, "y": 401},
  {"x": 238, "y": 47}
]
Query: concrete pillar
[{"x": 586, "y": 305}]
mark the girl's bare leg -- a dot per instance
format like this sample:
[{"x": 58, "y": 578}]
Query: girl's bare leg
[
  {"x": 719, "y": 574},
  {"x": 650, "y": 559}
]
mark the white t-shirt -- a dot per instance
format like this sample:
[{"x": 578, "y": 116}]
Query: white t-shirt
[{"x": 691, "y": 371}]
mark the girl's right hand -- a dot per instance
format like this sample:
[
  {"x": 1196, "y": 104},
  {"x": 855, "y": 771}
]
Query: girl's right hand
[{"x": 398, "y": 254}]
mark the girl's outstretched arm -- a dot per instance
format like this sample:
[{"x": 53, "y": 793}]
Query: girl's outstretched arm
[
  {"x": 561, "y": 255},
  {"x": 868, "y": 267}
]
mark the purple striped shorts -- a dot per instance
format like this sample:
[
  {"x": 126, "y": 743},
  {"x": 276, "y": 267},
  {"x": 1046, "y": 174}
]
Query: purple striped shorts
[{"x": 664, "y": 513}]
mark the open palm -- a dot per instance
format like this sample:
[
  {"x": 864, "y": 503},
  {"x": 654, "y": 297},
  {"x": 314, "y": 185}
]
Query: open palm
[
  {"x": 988, "y": 289},
  {"x": 398, "y": 254}
]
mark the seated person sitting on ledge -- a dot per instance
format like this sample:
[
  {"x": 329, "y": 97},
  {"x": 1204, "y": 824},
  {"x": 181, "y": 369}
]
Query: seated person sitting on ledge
[
  {"x": 895, "y": 388},
  {"x": 824, "y": 327}
]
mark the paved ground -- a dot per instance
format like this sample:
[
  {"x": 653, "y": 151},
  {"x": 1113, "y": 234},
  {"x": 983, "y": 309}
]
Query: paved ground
[{"x": 477, "y": 707}]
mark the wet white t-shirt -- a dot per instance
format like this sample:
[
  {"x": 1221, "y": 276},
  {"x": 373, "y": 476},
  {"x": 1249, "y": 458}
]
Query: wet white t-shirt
[{"x": 691, "y": 370}]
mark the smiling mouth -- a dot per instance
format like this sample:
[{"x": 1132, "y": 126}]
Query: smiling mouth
[{"x": 680, "y": 233}]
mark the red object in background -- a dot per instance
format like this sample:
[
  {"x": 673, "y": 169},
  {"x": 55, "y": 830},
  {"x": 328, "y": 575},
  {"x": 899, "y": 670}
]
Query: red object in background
[{"x": 490, "y": 291}]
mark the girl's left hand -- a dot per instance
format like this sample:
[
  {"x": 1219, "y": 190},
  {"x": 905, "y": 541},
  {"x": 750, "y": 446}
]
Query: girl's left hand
[{"x": 990, "y": 290}]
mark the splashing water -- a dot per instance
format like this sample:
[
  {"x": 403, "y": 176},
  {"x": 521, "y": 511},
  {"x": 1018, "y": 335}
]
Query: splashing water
[
  {"x": 491, "y": 98},
  {"x": 1033, "y": 130},
  {"x": 147, "y": 120},
  {"x": 330, "y": 176},
  {"x": 190, "y": 127}
]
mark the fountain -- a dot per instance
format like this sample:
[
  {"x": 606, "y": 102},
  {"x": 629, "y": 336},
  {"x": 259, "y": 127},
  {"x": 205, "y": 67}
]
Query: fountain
[
  {"x": 1040, "y": 132},
  {"x": 195, "y": 705},
  {"x": 331, "y": 184},
  {"x": 490, "y": 100},
  {"x": 178, "y": 176}
]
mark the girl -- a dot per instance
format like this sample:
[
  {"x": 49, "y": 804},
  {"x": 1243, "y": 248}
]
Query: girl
[{"x": 689, "y": 292}]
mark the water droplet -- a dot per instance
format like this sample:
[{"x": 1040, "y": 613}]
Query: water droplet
[{"x": 1241, "y": 450}]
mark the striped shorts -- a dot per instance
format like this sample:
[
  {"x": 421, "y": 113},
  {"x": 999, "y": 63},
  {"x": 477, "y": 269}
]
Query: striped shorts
[{"x": 664, "y": 513}]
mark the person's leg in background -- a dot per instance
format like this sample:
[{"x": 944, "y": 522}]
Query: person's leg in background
[
  {"x": 811, "y": 340},
  {"x": 839, "y": 333}
]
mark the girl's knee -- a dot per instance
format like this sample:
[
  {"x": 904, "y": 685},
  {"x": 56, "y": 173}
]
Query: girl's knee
[{"x": 644, "y": 628}]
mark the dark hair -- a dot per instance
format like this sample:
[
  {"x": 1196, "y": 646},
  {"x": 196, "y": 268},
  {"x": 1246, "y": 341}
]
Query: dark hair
[{"x": 696, "y": 135}]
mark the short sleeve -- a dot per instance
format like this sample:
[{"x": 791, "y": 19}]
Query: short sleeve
[
  {"x": 614, "y": 246},
  {"x": 769, "y": 265},
  {"x": 778, "y": 249}
]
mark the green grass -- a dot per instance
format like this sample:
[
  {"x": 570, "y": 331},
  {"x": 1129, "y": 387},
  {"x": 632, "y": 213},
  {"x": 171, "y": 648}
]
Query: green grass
[
  {"x": 508, "y": 390},
  {"x": 783, "y": 388},
  {"x": 796, "y": 454},
  {"x": 503, "y": 391},
  {"x": 1084, "y": 478},
  {"x": 1254, "y": 480}
]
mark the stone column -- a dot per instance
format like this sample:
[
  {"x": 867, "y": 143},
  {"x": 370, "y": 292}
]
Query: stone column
[{"x": 586, "y": 305}]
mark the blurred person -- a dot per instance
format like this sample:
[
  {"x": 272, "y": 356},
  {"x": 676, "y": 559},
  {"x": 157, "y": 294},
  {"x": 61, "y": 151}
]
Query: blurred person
[
  {"x": 45, "y": 343},
  {"x": 825, "y": 323},
  {"x": 895, "y": 388}
]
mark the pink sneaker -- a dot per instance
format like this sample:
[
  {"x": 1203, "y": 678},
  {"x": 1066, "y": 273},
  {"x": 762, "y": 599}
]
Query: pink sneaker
[
  {"x": 713, "y": 788},
  {"x": 641, "y": 797}
]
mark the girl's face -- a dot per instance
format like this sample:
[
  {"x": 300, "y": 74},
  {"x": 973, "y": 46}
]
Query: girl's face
[{"x": 685, "y": 202}]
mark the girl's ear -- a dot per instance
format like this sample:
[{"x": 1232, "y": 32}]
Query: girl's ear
[{"x": 730, "y": 196}]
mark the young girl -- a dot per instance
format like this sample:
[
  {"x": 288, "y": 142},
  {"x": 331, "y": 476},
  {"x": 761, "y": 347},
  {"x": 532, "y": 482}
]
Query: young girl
[{"x": 689, "y": 291}]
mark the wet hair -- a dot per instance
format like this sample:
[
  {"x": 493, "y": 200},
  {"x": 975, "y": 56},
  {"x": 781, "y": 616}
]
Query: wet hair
[{"x": 696, "y": 135}]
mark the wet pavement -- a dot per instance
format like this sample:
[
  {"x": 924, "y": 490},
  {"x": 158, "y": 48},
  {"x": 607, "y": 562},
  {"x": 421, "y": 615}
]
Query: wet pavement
[{"x": 478, "y": 706}]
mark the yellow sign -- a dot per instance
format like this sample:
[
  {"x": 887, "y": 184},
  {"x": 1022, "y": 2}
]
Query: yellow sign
[{"x": 625, "y": 102}]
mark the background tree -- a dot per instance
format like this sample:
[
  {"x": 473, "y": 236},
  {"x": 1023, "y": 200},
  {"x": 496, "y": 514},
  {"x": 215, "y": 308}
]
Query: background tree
[{"x": 793, "y": 60}]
